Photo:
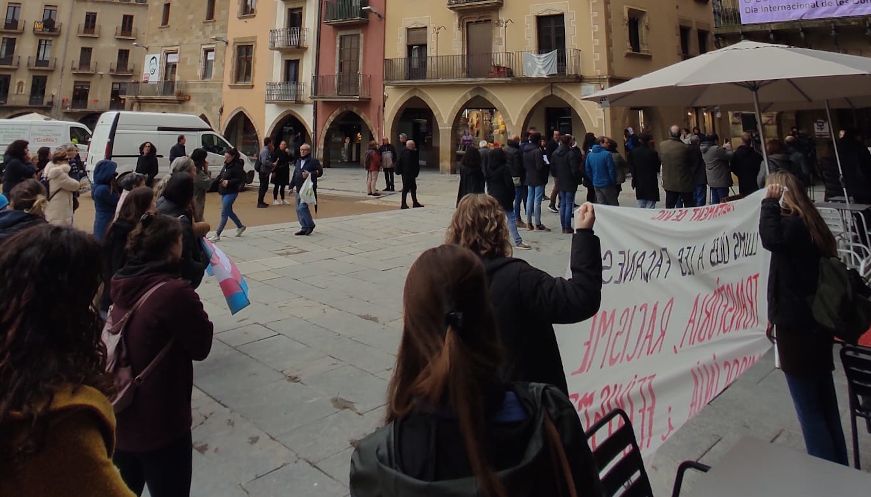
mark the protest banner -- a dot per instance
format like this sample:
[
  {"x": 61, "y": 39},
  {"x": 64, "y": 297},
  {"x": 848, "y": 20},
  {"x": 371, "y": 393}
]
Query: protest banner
[
  {"x": 762, "y": 11},
  {"x": 683, "y": 315}
]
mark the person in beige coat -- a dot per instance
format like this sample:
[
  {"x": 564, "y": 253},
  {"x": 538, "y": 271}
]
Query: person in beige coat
[{"x": 60, "y": 190}]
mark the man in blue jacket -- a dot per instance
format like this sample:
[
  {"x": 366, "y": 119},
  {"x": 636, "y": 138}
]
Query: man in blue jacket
[
  {"x": 602, "y": 171},
  {"x": 306, "y": 166}
]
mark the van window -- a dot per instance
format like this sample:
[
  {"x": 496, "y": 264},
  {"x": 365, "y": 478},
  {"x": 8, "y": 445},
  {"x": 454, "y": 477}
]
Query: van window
[
  {"x": 80, "y": 136},
  {"x": 215, "y": 144}
]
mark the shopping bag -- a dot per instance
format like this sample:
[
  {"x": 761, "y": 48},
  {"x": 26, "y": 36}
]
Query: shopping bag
[
  {"x": 307, "y": 192},
  {"x": 233, "y": 284}
]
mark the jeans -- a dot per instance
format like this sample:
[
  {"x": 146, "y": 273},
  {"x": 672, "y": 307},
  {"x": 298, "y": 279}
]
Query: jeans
[
  {"x": 264, "y": 187},
  {"x": 566, "y": 208},
  {"x": 388, "y": 178},
  {"x": 647, "y": 204},
  {"x": 533, "y": 203},
  {"x": 520, "y": 194},
  {"x": 607, "y": 196},
  {"x": 718, "y": 194},
  {"x": 701, "y": 195},
  {"x": 512, "y": 227},
  {"x": 276, "y": 190},
  {"x": 227, "y": 201},
  {"x": 304, "y": 215},
  {"x": 686, "y": 199},
  {"x": 816, "y": 405},
  {"x": 167, "y": 471}
]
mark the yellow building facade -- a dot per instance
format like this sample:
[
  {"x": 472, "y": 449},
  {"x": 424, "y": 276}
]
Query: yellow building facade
[{"x": 461, "y": 71}]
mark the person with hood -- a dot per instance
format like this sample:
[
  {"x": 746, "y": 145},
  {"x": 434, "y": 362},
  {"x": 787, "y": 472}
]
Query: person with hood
[
  {"x": 455, "y": 426},
  {"x": 644, "y": 165},
  {"x": 514, "y": 158},
  {"x": 602, "y": 171},
  {"x": 471, "y": 173},
  {"x": 147, "y": 162},
  {"x": 500, "y": 186},
  {"x": 17, "y": 166},
  {"x": 566, "y": 166},
  {"x": 202, "y": 182},
  {"x": 154, "y": 431},
  {"x": 57, "y": 426},
  {"x": 717, "y": 172},
  {"x": 230, "y": 181},
  {"x": 388, "y": 164},
  {"x": 678, "y": 176},
  {"x": 105, "y": 195},
  {"x": 745, "y": 164},
  {"x": 408, "y": 167},
  {"x": 536, "y": 181},
  {"x": 27, "y": 203},
  {"x": 177, "y": 202},
  {"x": 61, "y": 188}
]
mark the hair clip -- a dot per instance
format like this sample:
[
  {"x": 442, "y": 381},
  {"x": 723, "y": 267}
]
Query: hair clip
[
  {"x": 454, "y": 320},
  {"x": 146, "y": 219}
]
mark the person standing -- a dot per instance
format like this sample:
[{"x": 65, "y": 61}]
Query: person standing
[
  {"x": 630, "y": 140},
  {"x": 409, "y": 168},
  {"x": 388, "y": 164},
  {"x": 105, "y": 195},
  {"x": 600, "y": 168},
  {"x": 471, "y": 174},
  {"x": 536, "y": 180},
  {"x": 746, "y": 164},
  {"x": 791, "y": 229},
  {"x": 177, "y": 203},
  {"x": 306, "y": 167},
  {"x": 372, "y": 163},
  {"x": 518, "y": 175},
  {"x": 265, "y": 166},
  {"x": 677, "y": 173},
  {"x": 620, "y": 164},
  {"x": 566, "y": 164},
  {"x": 856, "y": 164},
  {"x": 500, "y": 186},
  {"x": 136, "y": 204},
  {"x": 590, "y": 141},
  {"x": 779, "y": 160},
  {"x": 58, "y": 427},
  {"x": 717, "y": 168},
  {"x": 484, "y": 152},
  {"x": 644, "y": 165},
  {"x": 43, "y": 157},
  {"x": 27, "y": 203},
  {"x": 550, "y": 149},
  {"x": 17, "y": 165},
  {"x": 61, "y": 188},
  {"x": 154, "y": 431},
  {"x": 147, "y": 162},
  {"x": 178, "y": 149},
  {"x": 700, "y": 174},
  {"x": 202, "y": 182},
  {"x": 230, "y": 181},
  {"x": 281, "y": 174}
]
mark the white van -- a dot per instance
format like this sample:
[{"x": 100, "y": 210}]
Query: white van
[
  {"x": 119, "y": 134},
  {"x": 42, "y": 131}
]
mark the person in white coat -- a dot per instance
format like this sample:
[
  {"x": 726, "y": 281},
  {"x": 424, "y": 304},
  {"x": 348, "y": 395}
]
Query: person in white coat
[{"x": 61, "y": 188}]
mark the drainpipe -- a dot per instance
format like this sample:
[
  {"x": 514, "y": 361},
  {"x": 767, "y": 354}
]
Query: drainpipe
[
  {"x": 57, "y": 106},
  {"x": 314, "y": 76}
]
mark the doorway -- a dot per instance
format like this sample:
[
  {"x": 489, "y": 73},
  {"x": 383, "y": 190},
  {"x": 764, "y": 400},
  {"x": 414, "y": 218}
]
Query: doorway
[{"x": 349, "y": 65}]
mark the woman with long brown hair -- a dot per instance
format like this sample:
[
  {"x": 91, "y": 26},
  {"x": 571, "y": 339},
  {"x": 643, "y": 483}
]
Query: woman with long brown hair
[
  {"x": 454, "y": 426},
  {"x": 797, "y": 237}
]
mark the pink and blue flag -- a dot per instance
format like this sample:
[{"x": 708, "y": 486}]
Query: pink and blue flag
[{"x": 232, "y": 282}]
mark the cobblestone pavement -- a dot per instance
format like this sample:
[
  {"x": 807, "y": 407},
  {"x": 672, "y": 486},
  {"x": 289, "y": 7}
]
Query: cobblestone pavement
[{"x": 296, "y": 378}]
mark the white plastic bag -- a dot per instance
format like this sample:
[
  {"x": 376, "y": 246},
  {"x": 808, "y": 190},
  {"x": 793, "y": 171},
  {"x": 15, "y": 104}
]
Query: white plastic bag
[{"x": 307, "y": 192}]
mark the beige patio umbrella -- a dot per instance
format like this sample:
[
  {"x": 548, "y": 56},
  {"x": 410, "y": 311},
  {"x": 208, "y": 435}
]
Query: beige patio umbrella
[{"x": 749, "y": 73}]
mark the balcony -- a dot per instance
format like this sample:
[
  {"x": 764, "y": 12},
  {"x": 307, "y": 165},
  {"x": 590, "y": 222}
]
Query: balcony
[
  {"x": 345, "y": 12},
  {"x": 25, "y": 101},
  {"x": 467, "y": 5},
  {"x": 342, "y": 87},
  {"x": 85, "y": 105},
  {"x": 288, "y": 38},
  {"x": 122, "y": 33},
  {"x": 9, "y": 62},
  {"x": 472, "y": 68},
  {"x": 159, "y": 92},
  {"x": 285, "y": 92},
  {"x": 43, "y": 28},
  {"x": 88, "y": 31},
  {"x": 82, "y": 67},
  {"x": 12, "y": 26},
  {"x": 40, "y": 64},
  {"x": 121, "y": 70}
]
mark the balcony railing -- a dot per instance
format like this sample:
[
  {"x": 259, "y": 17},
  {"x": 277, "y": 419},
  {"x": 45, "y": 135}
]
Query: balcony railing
[
  {"x": 287, "y": 38},
  {"x": 278, "y": 92},
  {"x": 9, "y": 61},
  {"x": 88, "y": 30},
  {"x": 24, "y": 101},
  {"x": 493, "y": 65},
  {"x": 122, "y": 33},
  {"x": 43, "y": 28},
  {"x": 345, "y": 11},
  {"x": 160, "y": 89},
  {"x": 727, "y": 13},
  {"x": 121, "y": 70},
  {"x": 342, "y": 87},
  {"x": 39, "y": 64},
  {"x": 461, "y": 5},
  {"x": 82, "y": 67},
  {"x": 13, "y": 26}
]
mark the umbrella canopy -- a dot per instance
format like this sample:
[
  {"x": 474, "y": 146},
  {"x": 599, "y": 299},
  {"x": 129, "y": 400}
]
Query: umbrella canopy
[{"x": 780, "y": 74}]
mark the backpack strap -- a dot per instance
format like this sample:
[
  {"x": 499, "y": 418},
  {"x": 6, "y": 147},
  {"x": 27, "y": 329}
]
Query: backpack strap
[
  {"x": 122, "y": 325},
  {"x": 558, "y": 449}
]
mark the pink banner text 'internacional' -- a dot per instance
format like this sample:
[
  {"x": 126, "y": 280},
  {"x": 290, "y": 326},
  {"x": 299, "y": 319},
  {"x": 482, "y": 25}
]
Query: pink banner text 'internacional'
[{"x": 760, "y": 11}]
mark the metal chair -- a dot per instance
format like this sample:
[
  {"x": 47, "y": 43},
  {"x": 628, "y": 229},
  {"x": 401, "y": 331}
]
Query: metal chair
[
  {"x": 619, "y": 457},
  {"x": 850, "y": 248},
  {"x": 857, "y": 367}
]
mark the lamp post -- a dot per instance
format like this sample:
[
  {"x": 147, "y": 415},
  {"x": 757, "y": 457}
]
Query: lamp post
[
  {"x": 503, "y": 23},
  {"x": 436, "y": 30}
]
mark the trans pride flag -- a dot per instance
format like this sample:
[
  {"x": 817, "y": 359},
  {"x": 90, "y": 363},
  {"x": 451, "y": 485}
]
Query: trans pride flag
[{"x": 231, "y": 280}]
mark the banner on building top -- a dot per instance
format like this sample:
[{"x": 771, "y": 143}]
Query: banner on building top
[
  {"x": 760, "y": 11},
  {"x": 683, "y": 315},
  {"x": 151, "y": 69}
]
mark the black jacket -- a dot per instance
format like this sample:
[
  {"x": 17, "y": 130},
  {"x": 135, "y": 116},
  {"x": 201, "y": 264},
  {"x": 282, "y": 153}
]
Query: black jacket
[
  {"x": 147, "y": 165},
  {"x": 408, "y": 165},
  {"x": 499, "y": 183},
  {"x": 745, "y": 164},
  {"x": 424, "y": 453},
  {"x": 528, "y": 301},
  {"x": 644, "y": 165},
  {"x": 16, "y": 171},
  {"x": 193, "y": 259},
  {"x": 234, "y": 173},
  {"x": 803, "y": 348},
  {"x": 12, "y": 222},
  {"x": 533, "y": 163},
  {"x": 566, "y": 168},
  {"x": 176, "y": 151},
  {"x": 515, "y": 161},
  {"x": 114, "y": 256},
  {"x": 471, "y": 177},
  {"x": 312, "y": 166},
  {"x": 856, "y": 163}
]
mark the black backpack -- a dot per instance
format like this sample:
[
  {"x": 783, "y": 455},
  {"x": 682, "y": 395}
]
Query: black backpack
[{"x": 842, "y": 303}]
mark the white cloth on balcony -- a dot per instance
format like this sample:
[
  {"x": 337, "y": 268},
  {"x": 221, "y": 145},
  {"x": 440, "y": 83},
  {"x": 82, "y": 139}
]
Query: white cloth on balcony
[{"x": 539, "y": 66}]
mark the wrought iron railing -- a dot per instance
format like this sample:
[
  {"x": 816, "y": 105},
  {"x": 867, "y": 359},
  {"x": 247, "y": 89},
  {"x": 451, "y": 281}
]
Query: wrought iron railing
[
  {"x": 727, "y": 13},
  {"x": 88, "y": 30},
  {"x": 287, "y": 38},
  {"x": 344, "y": 10},
  {"x": 12, "y": 26},
  {"x": 37, "y": 63},
  {"x": 24, "y": 101},
  {"x": 124, "y": 33},
  {"x": 9, "y": 61},
  {"x": 352, "y": 85},
  {"x": 45, "y": 28},
  {"x": 476, "y": 66},
  {"x": 126, "y": 69},
  {"x": 83, "y": 67},
  {"x": 285, "y": 91},
  {"x": 157, "y": 89}
]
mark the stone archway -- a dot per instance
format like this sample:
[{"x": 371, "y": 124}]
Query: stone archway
[
  {"x": 418, "y": 120},
  {"x": 343, "y": 140},
  {"x": 579, "y": 107},
  {"x": 291, "y": 128},
  {"x": 477, "y": 115},
  {"x": 241, "y": 132}
]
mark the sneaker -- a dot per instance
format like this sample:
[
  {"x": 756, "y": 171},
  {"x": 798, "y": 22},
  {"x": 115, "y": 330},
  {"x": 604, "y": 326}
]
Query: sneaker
[
  {"x": 276, "y": 202},
  {"x": 241, "y": 230},
  {"x": 552, "y": 209},
  {"x": 417, "y": 206},
  {"x": 262, "y": 205},
  {"x": 522, "y": 246},
  {"x": 542, "y": 227},
  {"x": 404, "y": 207},
  {"x": 215, "y": 238},
  {"x": 284, "y": 202}
]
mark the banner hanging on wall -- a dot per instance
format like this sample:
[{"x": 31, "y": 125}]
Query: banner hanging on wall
[
  {"x": 151, "y": 71},
  {"x": 683, "y": 315},
  {"x": 761, "y": 11}
]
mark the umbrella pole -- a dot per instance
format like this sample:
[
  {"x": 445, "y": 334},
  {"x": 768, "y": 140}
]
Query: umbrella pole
[
  {"x": 837, "y": 154},
  {"x": 764, "y": 173}
]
